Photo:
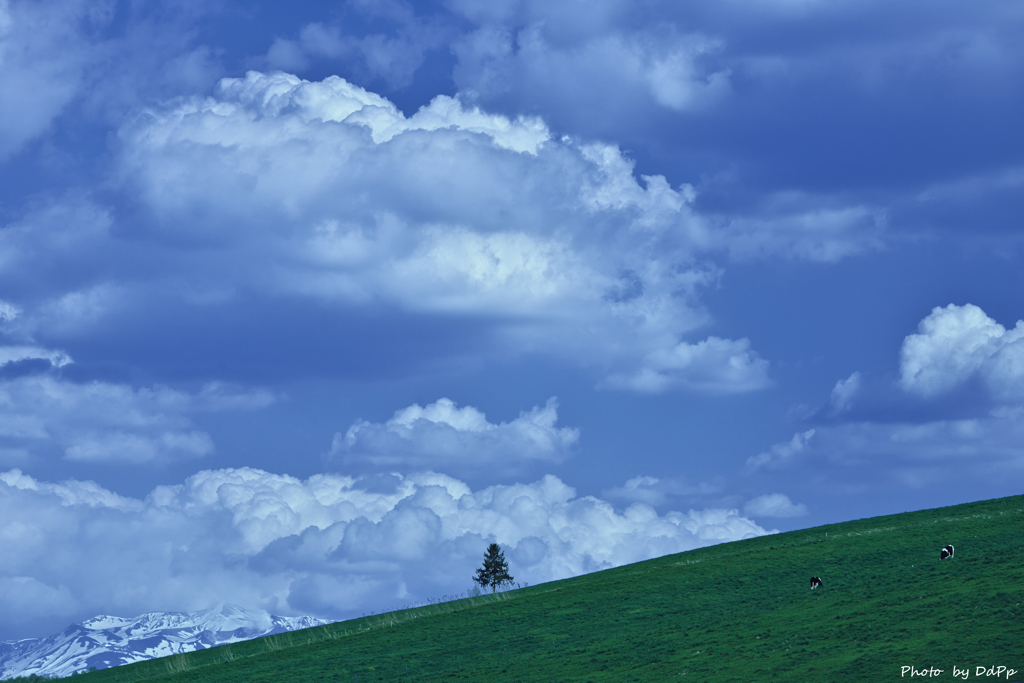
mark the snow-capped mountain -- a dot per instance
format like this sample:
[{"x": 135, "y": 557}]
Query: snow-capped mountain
[{"x": 103, "y": 641}]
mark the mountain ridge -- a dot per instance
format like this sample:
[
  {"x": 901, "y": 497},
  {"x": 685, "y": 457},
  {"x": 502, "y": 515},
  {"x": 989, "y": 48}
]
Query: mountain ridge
[{"x": 105, "y": 641}]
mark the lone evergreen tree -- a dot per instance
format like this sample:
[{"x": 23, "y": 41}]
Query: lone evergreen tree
[{"x": 495, "y": 570}]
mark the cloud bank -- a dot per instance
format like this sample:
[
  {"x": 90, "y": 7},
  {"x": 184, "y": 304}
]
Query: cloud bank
[{"x": 331, "y": 545}]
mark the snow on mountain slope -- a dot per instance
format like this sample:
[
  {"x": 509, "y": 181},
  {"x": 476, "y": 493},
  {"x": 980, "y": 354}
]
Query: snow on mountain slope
[{"x": 106, "y": 641}]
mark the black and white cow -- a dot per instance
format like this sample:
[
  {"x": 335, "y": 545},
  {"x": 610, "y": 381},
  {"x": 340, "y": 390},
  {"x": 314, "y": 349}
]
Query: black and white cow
[
  {"x": 946, "y": 552},
  {"x": 815, "y": 582}
]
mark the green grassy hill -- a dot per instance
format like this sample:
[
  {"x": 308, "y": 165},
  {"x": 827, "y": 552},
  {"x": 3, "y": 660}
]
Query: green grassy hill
[{"x": 738, "y": 611}]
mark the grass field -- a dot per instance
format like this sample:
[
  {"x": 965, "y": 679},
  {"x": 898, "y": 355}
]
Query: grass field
[{"x": 738, "y": 611}]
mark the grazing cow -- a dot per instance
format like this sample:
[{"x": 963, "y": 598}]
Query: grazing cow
[
  {"x": 946, "y": 552},
  {"x": 815, "y": 582}
]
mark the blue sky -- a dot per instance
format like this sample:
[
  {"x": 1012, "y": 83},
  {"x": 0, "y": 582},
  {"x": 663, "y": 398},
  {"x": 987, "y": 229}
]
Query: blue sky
[{"x": 303, "y": 304}]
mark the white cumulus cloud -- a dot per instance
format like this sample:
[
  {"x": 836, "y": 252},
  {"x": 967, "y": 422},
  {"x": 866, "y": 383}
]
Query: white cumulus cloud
[
  {"x": 956, "y": 343},
  {"x": 714, "y": 366},
  {"x": 444, "y": 436},
  {"x": 328, "y": 545},
  {"x": 328, "y": 191}
]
